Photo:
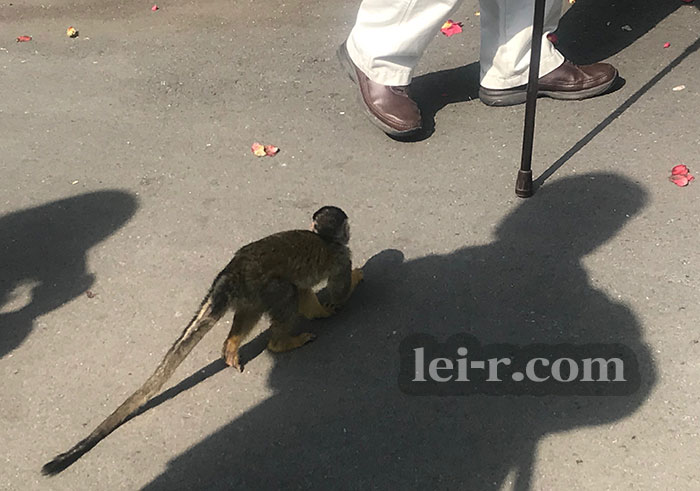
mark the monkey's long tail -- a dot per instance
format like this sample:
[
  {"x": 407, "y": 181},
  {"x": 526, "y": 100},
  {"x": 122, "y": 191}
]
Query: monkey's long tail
[{"x": 212, "y": 308}]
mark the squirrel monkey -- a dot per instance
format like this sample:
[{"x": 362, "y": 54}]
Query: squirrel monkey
[{"x": 274, "y": 276}]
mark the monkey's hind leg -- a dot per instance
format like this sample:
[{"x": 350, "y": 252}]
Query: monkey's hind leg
[
  {"x": 244, "y": 320},
  {"x": 310, "y": 307},
  {"x": 281, "y": 299}
]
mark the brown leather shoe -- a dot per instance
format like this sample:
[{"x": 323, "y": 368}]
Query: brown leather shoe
[
  {"x": 568, "y": 82},
  {"x": 388, "y": 107}
]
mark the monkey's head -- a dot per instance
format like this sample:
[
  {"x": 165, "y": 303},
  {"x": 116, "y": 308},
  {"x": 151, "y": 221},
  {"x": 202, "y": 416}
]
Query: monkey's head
[{"x": 331, "y": 223}]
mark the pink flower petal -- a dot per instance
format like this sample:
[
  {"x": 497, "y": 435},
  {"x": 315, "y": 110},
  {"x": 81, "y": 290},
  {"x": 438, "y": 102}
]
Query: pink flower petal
[
  {"x": 154, "y": 8},
  {"x": 257, "y": 149},
  {"x": 679, "y": 180},
  {"x": 23, "y": 39},
  {"x": 271, "y": 150},
  {"x": 667, "y": 45},
  {"x": 679, "y": 169},
  {"x": 450, "y": 28}
]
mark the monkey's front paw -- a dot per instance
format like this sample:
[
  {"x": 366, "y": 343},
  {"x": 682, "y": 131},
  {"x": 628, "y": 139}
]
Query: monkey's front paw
[{"x": 278, "y": 344}]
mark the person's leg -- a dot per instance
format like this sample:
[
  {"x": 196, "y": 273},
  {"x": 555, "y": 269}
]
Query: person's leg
[
  {"x": 390, "y": 36},
  {"x": 506, "y": 37},
  {"x": 383, "y": 48}
]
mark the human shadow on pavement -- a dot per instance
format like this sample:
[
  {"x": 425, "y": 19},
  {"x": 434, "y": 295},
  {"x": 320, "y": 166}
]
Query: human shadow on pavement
[
  {"x": 337, "y": 419},
  {"x": 43, "y": 252}
]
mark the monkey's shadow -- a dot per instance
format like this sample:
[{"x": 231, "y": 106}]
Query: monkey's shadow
[
  {"x": 43, "y": 251},
  {"x": 337, "y": 419}
]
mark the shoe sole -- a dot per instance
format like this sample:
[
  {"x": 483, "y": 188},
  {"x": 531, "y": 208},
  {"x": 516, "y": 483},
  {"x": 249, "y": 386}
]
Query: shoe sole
[
  {"x": 506, "y": 97},
  {"x": 349, "y": 67}
]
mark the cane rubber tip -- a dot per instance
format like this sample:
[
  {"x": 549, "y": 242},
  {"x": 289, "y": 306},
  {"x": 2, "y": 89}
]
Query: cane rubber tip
[{"x": 523, "y": 184}]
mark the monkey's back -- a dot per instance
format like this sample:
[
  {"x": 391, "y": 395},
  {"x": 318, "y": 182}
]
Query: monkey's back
[{"x": 301, "y": 257}]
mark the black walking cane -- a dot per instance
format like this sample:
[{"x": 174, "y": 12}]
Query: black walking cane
[{"x": 523, "y": 184}]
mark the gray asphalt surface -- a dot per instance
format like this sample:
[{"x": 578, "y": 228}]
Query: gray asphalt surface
[{"x": 127, "y": 182}]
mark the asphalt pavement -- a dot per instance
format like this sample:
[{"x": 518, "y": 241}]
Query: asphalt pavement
[{"x": 127, "y": 181}]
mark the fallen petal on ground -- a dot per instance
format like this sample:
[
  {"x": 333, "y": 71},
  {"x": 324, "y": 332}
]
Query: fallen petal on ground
[
  {"x": 679, "y": 169},
  {"x": 450, "y": 28},
  {"x": 258, "y": 149}
]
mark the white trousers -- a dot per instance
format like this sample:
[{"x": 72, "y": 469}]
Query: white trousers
[{"x": 390, "y": 36}]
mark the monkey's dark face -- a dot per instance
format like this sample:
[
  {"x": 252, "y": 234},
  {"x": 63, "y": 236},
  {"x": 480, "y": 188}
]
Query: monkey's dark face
[
  {"x": 343, "y": 233},
  {"x": 331, "y": 223},
  {"x": 336, "y": 234}
]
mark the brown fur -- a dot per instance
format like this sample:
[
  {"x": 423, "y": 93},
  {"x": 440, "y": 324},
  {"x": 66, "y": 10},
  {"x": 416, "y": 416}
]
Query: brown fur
[
  {"x": 294, "y": 262},
  {"x": 274, "y": 276}
]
